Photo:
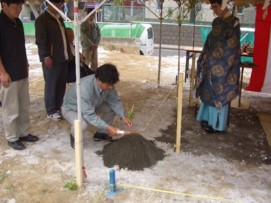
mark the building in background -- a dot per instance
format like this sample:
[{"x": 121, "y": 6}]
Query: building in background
[{"x": 129, "y": 10}]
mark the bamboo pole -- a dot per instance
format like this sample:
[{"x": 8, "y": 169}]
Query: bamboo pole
[
  {"x": 179, "y": 43},
  {"x": 78, "y": 144},
  {"x": 179, "y": 113}
]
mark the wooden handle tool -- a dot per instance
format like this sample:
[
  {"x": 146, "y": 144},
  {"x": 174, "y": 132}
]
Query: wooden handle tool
[{"x": 124, "y": 132}]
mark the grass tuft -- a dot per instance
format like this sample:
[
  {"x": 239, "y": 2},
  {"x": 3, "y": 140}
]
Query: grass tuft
[{"x": 70, "y": 185}]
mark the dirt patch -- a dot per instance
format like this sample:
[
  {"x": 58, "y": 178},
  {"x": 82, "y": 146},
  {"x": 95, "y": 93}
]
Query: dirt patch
[
  {"x": 132, "y": 152},
  {"x": 243, "y": 141}
]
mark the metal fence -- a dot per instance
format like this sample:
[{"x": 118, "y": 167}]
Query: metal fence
[
  {"x": 201, "y": 15},
  {"x": 111, "y": 13}
]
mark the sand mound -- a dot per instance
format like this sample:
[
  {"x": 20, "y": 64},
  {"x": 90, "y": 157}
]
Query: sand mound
[{"x": 132, "y": 152}]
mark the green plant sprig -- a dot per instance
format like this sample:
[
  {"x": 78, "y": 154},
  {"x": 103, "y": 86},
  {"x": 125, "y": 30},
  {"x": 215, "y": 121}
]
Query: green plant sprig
[{"x": 131, "y": 113}]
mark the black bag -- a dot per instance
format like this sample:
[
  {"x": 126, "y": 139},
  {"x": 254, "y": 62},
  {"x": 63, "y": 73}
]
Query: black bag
[{"x": 71, "y": 73}]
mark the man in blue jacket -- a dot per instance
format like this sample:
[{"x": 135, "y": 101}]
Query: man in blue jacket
[{"x": 98, "y": 96}]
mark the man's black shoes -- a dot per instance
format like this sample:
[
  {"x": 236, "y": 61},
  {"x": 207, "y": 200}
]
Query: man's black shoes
[
  {"x": 96, "y": 137},
  {"x": 29, "y": 138},
  {"x": 207, "y": 127},
  {"x": 17, "y": 145},
  {"x": 102, "y": 137},
  {"x": 204, "y": 123},
  {"x": 72, "y": 140}
]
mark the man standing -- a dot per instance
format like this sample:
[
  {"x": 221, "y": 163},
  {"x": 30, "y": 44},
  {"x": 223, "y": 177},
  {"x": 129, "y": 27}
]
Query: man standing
[
  {"x": 54, "y": 52},
  {"x": 98, "y": 96},
  {"x": 219, "y": 69},
  {"x": 14, "y": 87},
  {"x": 90, "y": 39}
]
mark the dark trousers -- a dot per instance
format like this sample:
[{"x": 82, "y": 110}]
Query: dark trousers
[{"x": 55, "y": 86}]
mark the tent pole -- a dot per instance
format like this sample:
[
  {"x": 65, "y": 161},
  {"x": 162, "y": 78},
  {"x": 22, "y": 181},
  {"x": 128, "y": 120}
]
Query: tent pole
[
  {"x": 159, "y": 61},
  {"x": 79, "y": 158}
]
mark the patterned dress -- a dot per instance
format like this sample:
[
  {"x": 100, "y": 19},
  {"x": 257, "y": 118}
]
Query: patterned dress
[{"x": 217, "y": 81}]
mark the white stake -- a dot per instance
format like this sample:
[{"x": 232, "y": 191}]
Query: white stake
[{"x": 78, "y": 144}]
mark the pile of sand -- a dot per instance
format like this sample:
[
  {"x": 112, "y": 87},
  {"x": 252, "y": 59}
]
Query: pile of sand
[{"x": 131, "y": 152}]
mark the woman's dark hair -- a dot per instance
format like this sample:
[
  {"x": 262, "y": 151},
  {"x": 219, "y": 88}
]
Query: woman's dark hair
[
  {"x": 107, "y": 73},
  {"x": 216, "y": 1}
]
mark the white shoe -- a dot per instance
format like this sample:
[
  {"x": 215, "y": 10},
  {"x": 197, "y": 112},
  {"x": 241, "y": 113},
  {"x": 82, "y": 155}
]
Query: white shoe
[
  {"x": 59, "y": 112},
  {"x": 54, "y": 117}
]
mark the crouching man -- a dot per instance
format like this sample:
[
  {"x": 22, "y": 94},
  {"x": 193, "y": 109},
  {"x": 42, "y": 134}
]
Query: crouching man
[{"x": 98, "y": 97}]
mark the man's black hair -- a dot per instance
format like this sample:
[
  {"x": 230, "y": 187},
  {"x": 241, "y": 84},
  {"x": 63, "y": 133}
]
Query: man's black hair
[
  {"x": 216, "y": 1},
  {"x": 57, "y": 1},
  {"x": 107, "y": 73},
  {"x": 89, "y": 10},
  {"x": 13, "y": 1}
]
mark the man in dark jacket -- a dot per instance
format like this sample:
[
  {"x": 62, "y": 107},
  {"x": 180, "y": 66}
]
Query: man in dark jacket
[
  {"x": 14, "y": 87},
  {"x": 54, "y": 53}
]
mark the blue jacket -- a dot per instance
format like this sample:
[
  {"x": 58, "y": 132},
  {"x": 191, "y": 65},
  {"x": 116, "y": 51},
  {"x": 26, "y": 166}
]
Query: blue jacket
[{"x": 91, "y": 98}]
